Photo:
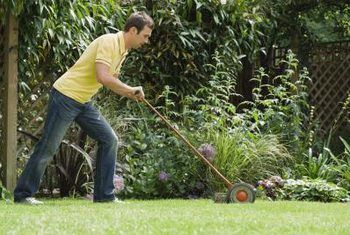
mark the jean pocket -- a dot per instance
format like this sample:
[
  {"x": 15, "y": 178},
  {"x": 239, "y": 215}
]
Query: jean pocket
[{"x": 66, "y": 107}]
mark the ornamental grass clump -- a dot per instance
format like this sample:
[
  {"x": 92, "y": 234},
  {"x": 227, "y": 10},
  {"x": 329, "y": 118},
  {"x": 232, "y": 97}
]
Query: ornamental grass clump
[{"x": 248, "y": 157}]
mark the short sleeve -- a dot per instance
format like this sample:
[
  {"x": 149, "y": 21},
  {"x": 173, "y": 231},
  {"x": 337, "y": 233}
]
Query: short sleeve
[{"x": 105, "y": 50}]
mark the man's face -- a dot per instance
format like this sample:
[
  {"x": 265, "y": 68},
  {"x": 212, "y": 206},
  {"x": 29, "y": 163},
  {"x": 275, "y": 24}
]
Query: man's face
[{"x": 142, "y": 37}]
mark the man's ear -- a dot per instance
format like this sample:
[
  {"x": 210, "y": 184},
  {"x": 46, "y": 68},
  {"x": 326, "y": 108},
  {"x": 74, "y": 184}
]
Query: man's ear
[{"x": 133, "y": 30}]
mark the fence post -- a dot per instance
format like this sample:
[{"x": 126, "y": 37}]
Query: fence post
[{"x": 10, "y": 102}]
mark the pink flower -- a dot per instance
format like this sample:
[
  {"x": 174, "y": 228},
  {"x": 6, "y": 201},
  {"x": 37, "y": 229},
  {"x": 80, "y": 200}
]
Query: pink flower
[{"x": 118, "y": 182}]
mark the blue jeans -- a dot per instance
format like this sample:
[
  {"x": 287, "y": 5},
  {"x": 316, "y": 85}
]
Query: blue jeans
[{"x": 62, "y": 111}]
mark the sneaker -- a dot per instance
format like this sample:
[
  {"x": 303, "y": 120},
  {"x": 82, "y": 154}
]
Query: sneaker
[
  {"x": 116, "y": 200},
  {"x": 29, "y": 201}
]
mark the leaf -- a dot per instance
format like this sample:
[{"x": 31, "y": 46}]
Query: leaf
[
  {"x": 216, "y": 19},
  {"x": 347, "y": 146},
  {"x": 86, "y": 156},
  {"x": 51, "y": 33}
]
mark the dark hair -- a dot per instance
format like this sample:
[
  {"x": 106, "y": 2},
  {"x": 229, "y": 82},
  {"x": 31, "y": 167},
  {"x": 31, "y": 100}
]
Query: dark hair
[{"x": 139, "y": 20}]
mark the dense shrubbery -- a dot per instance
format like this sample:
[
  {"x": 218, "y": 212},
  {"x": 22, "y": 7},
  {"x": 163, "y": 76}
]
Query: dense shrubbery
[
  {"x": 245, "y": 148},
  {"x": 189, "y": 72}
]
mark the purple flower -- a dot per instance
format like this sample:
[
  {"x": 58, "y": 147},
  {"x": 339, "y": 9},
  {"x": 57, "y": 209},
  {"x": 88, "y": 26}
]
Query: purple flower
[
  {"x": 118, "y": 182},
  {"x": 208, "y": 151},
  {"x": 269, "y": 184},
  {"x": 278, "y": 181},
  {"x": 163, "y": 176}
]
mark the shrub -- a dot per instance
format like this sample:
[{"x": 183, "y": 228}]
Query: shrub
[
  {"x": 317, "y": 167},
  {"x": 155, "y": 164},
  {"x": 312, "y": 190},
  {"x": 302, "y": 190},
  {"x": 281, "y": 105}
]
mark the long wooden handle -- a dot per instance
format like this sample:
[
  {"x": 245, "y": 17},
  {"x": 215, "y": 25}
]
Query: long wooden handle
[{"x": 217, "y": 172}]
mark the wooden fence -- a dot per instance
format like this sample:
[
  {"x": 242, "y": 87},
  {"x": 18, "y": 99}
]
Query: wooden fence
[
  {"x": 329, "y": 67},
  {"x": 330, "y": 73}
]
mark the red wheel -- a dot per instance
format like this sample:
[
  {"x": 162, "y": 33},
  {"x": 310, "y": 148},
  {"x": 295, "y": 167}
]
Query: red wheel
[{"x": 241, "y": 193}]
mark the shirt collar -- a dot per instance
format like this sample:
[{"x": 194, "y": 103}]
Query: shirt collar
[{"x": 122, "y": 49}]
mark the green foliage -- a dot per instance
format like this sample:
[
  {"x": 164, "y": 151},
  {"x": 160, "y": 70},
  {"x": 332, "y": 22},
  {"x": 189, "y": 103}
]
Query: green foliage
[
  {"x": 342, "y": 166},
  {"x": 335, "y": 20},
  {"x": 148, "y": 155},
  {"x": 325, "y": 165},
  {"x": 281, "y": 107},
  {"x": 304, "y": 189},
  {"x": 185, "y": 39},
  {"x": 14, "y": 7},
  {"x": 54, "y": 38},
  {"x": 4, "y": 194},
  {"x": 70, "y": 171},
  {"x": 312, "y": 190},
  {"x": 342, "y": 17},
  {"x": 148, "y": 148},
  {"x": 243, "y": 152},
  {"x": 73, "y": 168},
  {"x": 248, "y": 145},
  {"x": 299, "y": 24},
  {"x": 191, "y": 69},
  {"x": 247, "y": 156},
  {"x": 319, "y": 166},
  {"x": 211, "y": 103}
]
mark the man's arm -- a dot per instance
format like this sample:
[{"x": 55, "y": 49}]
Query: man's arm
[{"x": 105, "y": 78}]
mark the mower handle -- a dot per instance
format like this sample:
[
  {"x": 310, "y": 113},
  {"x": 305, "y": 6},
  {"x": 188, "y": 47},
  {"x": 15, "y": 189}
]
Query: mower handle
[{"x": 198, "y": 154}]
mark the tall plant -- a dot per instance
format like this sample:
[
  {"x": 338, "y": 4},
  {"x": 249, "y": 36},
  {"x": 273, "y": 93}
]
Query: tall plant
[{"x": 281, "y": 106}]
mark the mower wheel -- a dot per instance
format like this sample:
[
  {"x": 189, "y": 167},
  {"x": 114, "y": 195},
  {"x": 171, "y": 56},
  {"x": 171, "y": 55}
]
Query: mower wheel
[{"x": 241, "y": 193}]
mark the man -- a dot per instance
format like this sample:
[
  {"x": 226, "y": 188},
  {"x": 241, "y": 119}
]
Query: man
[{"x": 69, "y": 101}]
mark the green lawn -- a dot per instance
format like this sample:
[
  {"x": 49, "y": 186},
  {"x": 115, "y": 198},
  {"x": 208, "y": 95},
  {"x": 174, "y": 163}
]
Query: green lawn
[{"x": 174, "y": 217}]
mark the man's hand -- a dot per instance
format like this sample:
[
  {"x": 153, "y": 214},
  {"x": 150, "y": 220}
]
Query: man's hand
[{"x": 138, "y": 93}]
